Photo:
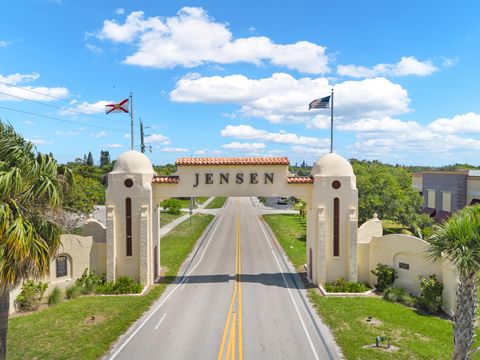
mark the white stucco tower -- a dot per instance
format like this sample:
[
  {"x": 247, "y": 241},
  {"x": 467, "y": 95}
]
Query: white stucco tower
[
  {"x": 131, "y": 219},
  {"x": 332, "y": 221}
]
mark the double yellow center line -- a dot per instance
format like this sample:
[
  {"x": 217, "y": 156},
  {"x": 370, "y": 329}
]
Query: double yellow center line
[{"x": 234, "y": 318}]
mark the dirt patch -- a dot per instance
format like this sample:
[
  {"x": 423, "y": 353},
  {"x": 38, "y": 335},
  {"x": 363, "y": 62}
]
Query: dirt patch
[
  {"x": 421, "y": 337},
  {"x": 18, "y": 313},
  {"x": 390, "y": 349},
  {"x": 370, "y": 320},
  {"x": 94, "y": 319}
]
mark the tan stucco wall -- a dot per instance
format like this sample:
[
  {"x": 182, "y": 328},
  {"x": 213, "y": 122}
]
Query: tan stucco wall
[
  {"x": 98, "y": 255},
  {"x": 185, "y": 187},
  {"x": 395, "y": 248},
  {"x": 141, "y": 196},
  {"x": 78, "y": 250}
]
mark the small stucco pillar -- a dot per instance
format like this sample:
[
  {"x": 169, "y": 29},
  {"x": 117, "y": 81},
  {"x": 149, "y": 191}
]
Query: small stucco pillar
[
  {"x": 334, "y": 212},
  {"x": 129, "y": 223}
]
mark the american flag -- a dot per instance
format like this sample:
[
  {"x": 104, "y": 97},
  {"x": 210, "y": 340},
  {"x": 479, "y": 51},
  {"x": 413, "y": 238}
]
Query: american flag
[{"x": 322, "y": 103}]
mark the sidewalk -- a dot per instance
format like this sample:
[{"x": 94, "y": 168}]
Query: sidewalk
[{"x": 167, "y": 228}]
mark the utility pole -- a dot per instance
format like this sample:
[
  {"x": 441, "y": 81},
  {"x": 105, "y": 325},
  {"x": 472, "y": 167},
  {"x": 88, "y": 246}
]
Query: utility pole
[{"x": 142, "y": 137}]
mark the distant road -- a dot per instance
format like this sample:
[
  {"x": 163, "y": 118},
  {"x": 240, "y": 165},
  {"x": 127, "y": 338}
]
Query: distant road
[{"x": 238, "y": 299}]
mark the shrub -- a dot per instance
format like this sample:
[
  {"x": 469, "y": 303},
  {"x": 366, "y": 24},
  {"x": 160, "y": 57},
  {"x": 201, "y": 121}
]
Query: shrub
[
  {"x": 399, "y": 295},
  {"x": 342, "y": 285},
  {"x": 172, "y": 206},
  {"x": 385, "y": 276},
  {"x": 30, "y": 295},
  {"x": 123, "y": 285},
  {"x": 89, "y": 281},
  {"x": 430, "y": 294},
  {"x": 55, "y": 296},
  {"x": 73, "y": 292}
]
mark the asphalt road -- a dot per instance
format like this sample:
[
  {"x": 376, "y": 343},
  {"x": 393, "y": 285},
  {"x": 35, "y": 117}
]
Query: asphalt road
[{"x": 238, "y": 298}]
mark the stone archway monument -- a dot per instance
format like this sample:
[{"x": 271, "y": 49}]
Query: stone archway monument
[{"x": 134, "y": 193}]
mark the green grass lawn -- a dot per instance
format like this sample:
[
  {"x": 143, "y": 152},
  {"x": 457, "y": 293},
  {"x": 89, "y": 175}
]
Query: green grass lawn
[
  {"x": 65, "y": 332},
  {"x": 216, "y": 203},
  {"x": 186, "y": 202},
  {"x": 290, "y": 232},
  {"x": 419, "y": 336},
  {"x": 166, "y": 218}
]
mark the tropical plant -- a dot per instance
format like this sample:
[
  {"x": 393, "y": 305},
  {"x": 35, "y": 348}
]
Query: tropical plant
[
  {"x": 385, "y": 276},
  {"x": 55, "y": 296},
  {"x": 89, "y": 281},
  {"x": 430, "y": 294},
  {"x": 30, "y": 295},
  {"x": 458, "y": 241},
  {"x": 31, "y": 189},
  {"x": 172, "y": 206},
  {"x": 123, "y": 285},
  {"x": 342, "y": 285},
  {"x": 301, "y": 206},
  {"x": 394, "y": 294},
  {"x": 73, "y": 292}
]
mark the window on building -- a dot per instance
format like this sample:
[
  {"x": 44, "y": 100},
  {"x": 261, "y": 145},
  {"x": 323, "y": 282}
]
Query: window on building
[
  {"x": 128, "y": 230},
  {"x": 431, "y": 199},
  {"x": 61, "y": 265},
  {"x": 446, "y": 201},
  {"x": 336, "y": 227}
]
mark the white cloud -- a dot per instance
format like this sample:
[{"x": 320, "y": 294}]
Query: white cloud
[
  {"x": 28, "y": 122},
  {"x": 206, "y": 152},
  {"x": 174, "y": 150},
  {"x": 85, "y": 108},
  {"x": 244, "y": 146},
  {"x": 39, "y": 141},
  {"x": 120, "y": 11},
  {"x": 99, "y": 134},
  {"x": 248, "y": 132},
  {"x": 5, "y": 43},
  {"x": 283, "y": 98},
  {"x": 94, "y": 48},
  {"x": 309, "y": 152},
  {"x": 384, "y": 125},
  {"x": 408, "y": 65},
  {"x": 168, "y": 42},
  {"x": 157, "y": 139},
  {"x": 28, "y": 92},
  {"x": 112, "y": 146},
  {"x": 126, "y": 135},
  {"x": 465, "y": 123}
]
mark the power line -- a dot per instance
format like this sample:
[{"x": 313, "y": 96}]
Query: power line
[
  {"x": 40, "y": 93},
  {"x": 54, "y": 106},
  {"x": 58, "y": 119}
]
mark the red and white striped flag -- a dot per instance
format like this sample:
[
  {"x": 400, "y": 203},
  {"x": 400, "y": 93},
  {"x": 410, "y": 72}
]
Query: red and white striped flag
[{"x": 122, "y": 107}]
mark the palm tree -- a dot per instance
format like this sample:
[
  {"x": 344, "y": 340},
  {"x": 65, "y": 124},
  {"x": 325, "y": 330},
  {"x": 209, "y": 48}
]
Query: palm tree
[
  {"x": 458, "y": 240},
  {"x": 31, "y": 189}
]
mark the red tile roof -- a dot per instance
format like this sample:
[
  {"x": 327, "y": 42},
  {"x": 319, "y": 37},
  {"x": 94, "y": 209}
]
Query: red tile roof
[
  {"x": 299, "y": 180},
  {"x": 162, "y": 179},
  {"x": 234, "y": 161}
]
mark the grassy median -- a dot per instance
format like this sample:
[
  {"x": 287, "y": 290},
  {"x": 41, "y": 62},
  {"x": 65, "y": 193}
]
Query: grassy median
[
  {"x": 216, "y": 203},
  {"x": 67, "y": 330},
  {"x": 417, "y": 335}
]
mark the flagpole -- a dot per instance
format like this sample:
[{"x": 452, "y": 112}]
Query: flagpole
[
  {"x": 331, "y": 125},
  {"x": 131, "y": 119}
]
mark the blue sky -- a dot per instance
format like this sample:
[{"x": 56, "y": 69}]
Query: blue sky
[{"x": 215, "y": 78}]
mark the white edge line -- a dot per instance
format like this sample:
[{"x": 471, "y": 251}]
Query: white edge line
[
  {"x": 310, "y": 342},
  {"x": 115, "y": 354},
  {"x": 160, "y": 322}
]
